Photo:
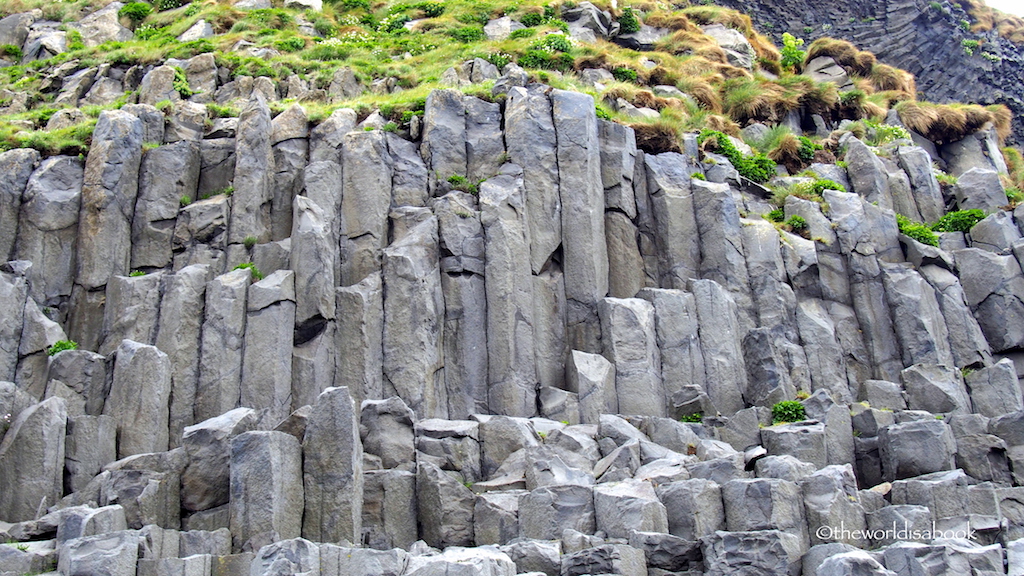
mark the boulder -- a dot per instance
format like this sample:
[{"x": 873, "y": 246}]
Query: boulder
[
  {"x": 266, "y": 489},
  {"x": 914, "y": 448},
  {"x": 332, "y": 469},
  {"x": 32, "y": 460}
]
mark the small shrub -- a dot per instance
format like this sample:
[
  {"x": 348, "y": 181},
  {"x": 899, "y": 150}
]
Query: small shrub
[
  {"x": 180, "y": 83},
  {"x": 253, "y": 270},
  {"x": 819, "y": 186},
  {"x": 60, "y": 346},
  {"x": 249, "y": 242},
  {"x": 797, "y": 223},
  {"x": 430, "y": 9},
  {"x": 792, "y": 55},
  {"x": 959, "y": 221},
  {"x": 467, "y": 34},
  {"x": 758, "y": 168},
  {"x": 193, "y": 8},
  {"x": 623, "y": 74},
  {"x": 390, "y": 127},
  {"x": 293, "y": 44},
  {"x": 10, "y": 51},
  {"x": 554, "y": 42},
  {"x": 355, "y": 4},
  {"x": 788, "y": 411},
  {"x": 531, "y": 20},
  {"x": 602, "y": 112},
  {"x": 695, "y": 418},
  {"x": 135, "y": 11},
  {"x": 147, "y": 32},
  {"x": 461, "y": 183},
  {"x": 807, "y": 149},
  {"x": 136, "y": 273},
  {"x": 522, "y": 33},
  {"x": 917, "y": 231},
  {"x": 969, "y": 46},
  {"x": 169, "y": 4},
  {"x": 394, "y": 23},
  {"x": 499, "y": 59},
  {"x": 777, "y": 215},
  {"x": 185, "y": 200},
  {"x": 628, "y": 22},
  {"x": 697, "y": 176}
]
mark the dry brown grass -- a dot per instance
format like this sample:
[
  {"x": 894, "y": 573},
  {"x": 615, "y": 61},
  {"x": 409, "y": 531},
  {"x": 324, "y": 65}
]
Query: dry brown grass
[
  {"x": 886, "y": 78},
  {"x": 702, "y": 91},
  {"x": 985, "y": 19},
  {"x": 671, "y": 20},
  {"x": 787, "y": 153},
  {"x": 656, "y": 137},
  {"x": 844, "y": 53},
  {"x": 1002, "y": 117},
  {"x": 952, "y": 122},
  {"x": 716, "y": 15}
]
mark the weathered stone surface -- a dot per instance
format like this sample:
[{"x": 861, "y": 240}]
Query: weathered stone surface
[
  {"x": 91, "y": 444},
  {"x": 133, "y": 311},
  {"x": 312, "y": 257},
  {"x": 622, "y": 507},
  {"x": 291, "y": 150},
  {"x": 722, "y": 348},
  {"x": 463, "y": 562},
  {"x": 937, "y": 389},
  {"x": 413, "y": 321},
  {"x": 914, "y": 448},
  {"x": 223, "y": 331},
  {"x": 266, "y": 382},
  {"x": 545, "y": 512},
  {"x": 445, "y": 508},
  {"x": 360, "y": 329},
  {"x": 764, "y": 551},
  {"x": 109, "y": 192},
  {"x": 675, "y": 226},
  {"x": 205, "y": 480},
  {"x": 510, "y": 347},
  {"x": 631, "y": 345},
  {"x": 592, "y": 378},
  {"x": 13, "y": 295},
  {"x": 606, "y": 559},
  {"x": 444, "y": 135},
  {"x": 254, "y": 169},
  {"x": 921, "y": 328},
  {"x": 332, "y": 470},
  {"x": 581, "y": 196},
  {"x": 178, "y": 335},
  {"x": 867, "y": 174},
  {"x": 387, "y": 431},
  {"x": 32, "y": 460},
  {"x": 389, "y": 509},
  {"x": 980, "y": 188},
  {"x": 138, "y": 400},
  {"x": 166, "y": 175},
  {"x": 113, "y": 554},
  {"x": 367, "y": 171},
  {"x": 995, "y": 390},
  {"x": 992, "y": 284},
  {"x": 764, "y": 504},
  {"x": 16, "y": 166},
  {"x": 103, "y": 26},
  {"x": 532, "y": 144},
  {"x": 47, "y": 232},
  {"x": 803, "y": 440},
  {"x": 266, "y": 489},
  {"x": 966, "y": 340},
  {"x": 825, "y": 362}
]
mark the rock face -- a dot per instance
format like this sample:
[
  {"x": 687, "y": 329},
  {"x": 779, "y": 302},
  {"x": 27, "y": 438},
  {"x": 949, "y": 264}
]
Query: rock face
[{"x": 354, "y": 364}]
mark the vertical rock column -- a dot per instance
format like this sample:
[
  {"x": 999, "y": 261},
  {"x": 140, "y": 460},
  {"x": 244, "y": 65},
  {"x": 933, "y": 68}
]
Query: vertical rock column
[
  {"x": 313, "y": 255},
  {"x": 630, "y": 343},
  {"x": 675, "y": 226},
  {"x": 178, "y": 335},
  {"x": 414, "y": 320},
  {"x": 109, "y": 191},
  {"x": 13, "y": 294},
  {"x": 532, "y": 144},
  {"x": 360, "y": 333},
  {"x": 266, "y": 489},
  {"x": 721, "y": 244},
  {"x": 682, "y": 362},
  {"x": 511, "y": 380},
  {"x": 223, "y": 332},
  {"x": 581, "y": 193},
  {"x": 618, "y": 164},
  {"x": 32, "y": 461},
  {"x": 366, "y": 199},
  {"x": 132, "y": 310},
  {"x": 48, "y": 228},
  {"x": 16, "y": 167},
  {"x": 166, "y": 176},
  {"x": 332, "y": 470},
  {"x": 290, "y": 144},
  {"x": 465, "y": 304},
  {"x": 721, "y": 342},
  {"x": 444, "y": 136},
  {"x": 266, "y": 382},
  {"x": 139, "y": 398},
  {"x": 254, "y": 169}
]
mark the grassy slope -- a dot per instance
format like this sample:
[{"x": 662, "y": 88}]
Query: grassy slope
[{"x": 368, "y": 37}]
